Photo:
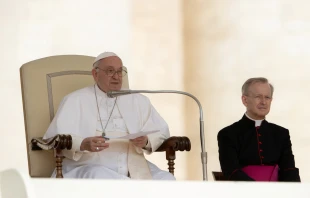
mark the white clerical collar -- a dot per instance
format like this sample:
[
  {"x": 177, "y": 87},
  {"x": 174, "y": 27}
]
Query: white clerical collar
[
  {"x": 99, "y": 92},
  {"x": 257, "y": 122}
]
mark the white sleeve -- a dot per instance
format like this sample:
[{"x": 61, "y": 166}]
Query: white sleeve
[
  {"x": 75, "y": 153},
  {"x": 155, "y": 140},
  {"x": 65, "y": 122}
]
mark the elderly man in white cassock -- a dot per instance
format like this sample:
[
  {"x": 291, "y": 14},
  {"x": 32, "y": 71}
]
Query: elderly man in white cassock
[{"x": 89, "y": 116}]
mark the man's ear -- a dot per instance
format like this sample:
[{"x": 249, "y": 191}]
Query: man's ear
[
  {"x": 94, "y": 73},
  {"x": 244, "y": 100}
]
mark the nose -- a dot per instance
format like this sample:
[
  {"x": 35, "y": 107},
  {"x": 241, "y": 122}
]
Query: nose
[
  {"x": 115, "y": 75},
  {"x": 263, "y": 101}
]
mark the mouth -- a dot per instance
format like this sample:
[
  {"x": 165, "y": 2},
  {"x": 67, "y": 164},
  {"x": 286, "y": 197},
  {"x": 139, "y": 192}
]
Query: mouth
[{"x": 114, "y": 83}]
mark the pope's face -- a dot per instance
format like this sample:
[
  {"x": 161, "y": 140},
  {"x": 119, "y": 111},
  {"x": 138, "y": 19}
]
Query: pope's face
[{"x": 108, "y": 75}]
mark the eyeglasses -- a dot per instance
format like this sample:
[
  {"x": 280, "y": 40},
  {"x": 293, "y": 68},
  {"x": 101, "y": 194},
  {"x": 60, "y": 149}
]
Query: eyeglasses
[{"x": 111, "y": 72}]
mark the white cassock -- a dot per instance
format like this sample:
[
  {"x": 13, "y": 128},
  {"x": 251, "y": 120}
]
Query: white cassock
[{"x": 78, "y": 116}]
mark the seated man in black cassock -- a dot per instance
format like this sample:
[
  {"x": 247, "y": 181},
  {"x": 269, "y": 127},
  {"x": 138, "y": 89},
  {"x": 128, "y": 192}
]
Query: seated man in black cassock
[{"x": 254, "y": 142}]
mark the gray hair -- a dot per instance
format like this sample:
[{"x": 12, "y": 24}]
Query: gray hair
[
  {"x": 96, "y": 64},
  {"x": 249, "y": 82}
]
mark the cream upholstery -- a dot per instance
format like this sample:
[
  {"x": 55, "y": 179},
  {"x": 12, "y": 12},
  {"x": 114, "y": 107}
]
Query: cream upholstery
[{"x": 44, "y": 83}]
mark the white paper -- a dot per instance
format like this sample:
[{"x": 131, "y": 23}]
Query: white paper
[{"x": 133, "y": 136}]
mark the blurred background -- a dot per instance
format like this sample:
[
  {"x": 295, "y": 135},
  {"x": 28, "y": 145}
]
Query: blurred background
[{"x": 208, "y": 48}]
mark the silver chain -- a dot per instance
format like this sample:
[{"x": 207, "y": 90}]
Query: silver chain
[{"x": 103, "y": 129}]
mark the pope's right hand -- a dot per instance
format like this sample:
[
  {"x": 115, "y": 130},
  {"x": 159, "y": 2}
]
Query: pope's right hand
[{"x": 94, "y": 144}]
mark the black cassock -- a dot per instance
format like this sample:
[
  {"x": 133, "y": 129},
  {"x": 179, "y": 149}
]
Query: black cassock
[{"x": 242, "y": 144}]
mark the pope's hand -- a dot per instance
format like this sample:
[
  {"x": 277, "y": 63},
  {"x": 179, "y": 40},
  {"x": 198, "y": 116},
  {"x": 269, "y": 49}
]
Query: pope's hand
[
  {"x": 94, "y": 144},
  {"x": 140, "y": 141}
]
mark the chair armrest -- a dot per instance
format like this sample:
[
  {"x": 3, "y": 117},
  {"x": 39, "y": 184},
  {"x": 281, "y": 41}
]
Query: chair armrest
[
  {"x": 58, "y": 142},
  {"x": 175, "y": 144},
  {"x": 170, "y": 146}
]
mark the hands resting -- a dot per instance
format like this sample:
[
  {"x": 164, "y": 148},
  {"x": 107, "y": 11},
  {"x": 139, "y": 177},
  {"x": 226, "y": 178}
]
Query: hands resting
[{"x": 98, "y": 143}]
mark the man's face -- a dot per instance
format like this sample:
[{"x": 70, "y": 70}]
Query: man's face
[
  {"x": 106, "y": 67},
  {"x": 258, "y": 100}
]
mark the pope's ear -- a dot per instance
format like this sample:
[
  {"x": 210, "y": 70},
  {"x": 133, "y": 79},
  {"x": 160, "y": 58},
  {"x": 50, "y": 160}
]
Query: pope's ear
[{"x": 95, "y": 74}]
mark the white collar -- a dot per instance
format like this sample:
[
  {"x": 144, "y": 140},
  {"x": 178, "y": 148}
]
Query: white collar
[
  {"x": 257, "y": 122},
  {"x": 99, "y": 92}
]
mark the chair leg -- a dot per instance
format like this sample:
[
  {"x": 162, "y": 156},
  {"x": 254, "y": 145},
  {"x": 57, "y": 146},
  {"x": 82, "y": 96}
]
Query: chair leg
[
  {"x": 171, "y": 166},
  {"x": 170, "y": 156},
  {"x": 59, "y": 158}
]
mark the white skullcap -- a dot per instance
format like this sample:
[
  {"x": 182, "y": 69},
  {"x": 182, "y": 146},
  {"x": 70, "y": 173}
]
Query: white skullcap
[{"x": 103, "y": 55}]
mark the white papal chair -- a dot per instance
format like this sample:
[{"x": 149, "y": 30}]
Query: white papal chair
[{"x": 44, "y": 82}]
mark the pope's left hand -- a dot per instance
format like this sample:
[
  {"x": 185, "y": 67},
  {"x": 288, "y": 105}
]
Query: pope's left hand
[{"x": 140, "y": 141}]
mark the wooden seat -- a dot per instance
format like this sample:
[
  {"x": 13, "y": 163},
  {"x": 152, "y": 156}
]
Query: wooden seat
[{"x": 218, "y": 176}]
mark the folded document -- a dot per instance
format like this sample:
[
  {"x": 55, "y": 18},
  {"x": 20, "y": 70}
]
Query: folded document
[{"x": 132, "y": 136}]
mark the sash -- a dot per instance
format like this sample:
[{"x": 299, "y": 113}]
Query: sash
[
  {"x": 137, "y": 164},
  {"x": 262, "y": 173}
]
